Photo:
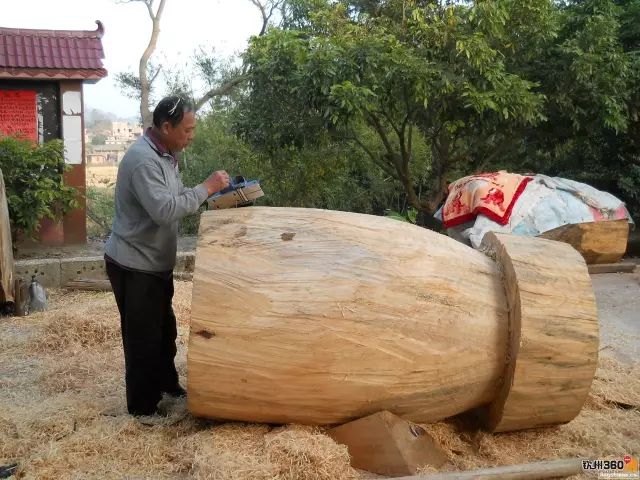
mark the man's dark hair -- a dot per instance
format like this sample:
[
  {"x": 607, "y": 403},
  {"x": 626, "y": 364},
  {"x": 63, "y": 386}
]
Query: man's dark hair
[{"x": 171, "y": 109}]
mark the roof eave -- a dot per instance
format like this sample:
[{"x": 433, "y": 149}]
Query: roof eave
[
  {"x": 97, "y": 33},
  {"x": 85, "y": 75}
]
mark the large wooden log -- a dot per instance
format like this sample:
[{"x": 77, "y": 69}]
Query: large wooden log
[
  {"x": 322, "y": 317},
  {"x": 597, "y": 242}
]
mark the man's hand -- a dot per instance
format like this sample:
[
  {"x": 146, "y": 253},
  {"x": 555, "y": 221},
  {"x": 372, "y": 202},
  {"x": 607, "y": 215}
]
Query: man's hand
[{"x": 217, "y": 181}]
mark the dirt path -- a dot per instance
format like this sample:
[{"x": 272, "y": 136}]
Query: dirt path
[{"x": 618, "y": 298}]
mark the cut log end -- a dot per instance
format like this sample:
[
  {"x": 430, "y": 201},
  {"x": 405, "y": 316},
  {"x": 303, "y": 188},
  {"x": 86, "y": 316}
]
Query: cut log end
[
  {"x": 597, "y": 242},
  {"x": 553, "y": 333}
]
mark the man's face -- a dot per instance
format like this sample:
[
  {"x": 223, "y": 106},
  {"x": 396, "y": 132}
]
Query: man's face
[{"x": 180, "y": 136}]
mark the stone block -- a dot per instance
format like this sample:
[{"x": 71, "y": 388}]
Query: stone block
[
  {"x": 82, "y": 268},
  {"x": 46, "y": 271}
]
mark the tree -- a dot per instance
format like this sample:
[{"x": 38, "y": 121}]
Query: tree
[
  {"x": 413, "y": 72},
  {"x": 140, "y": 86},
  {"x": 35, "y": 188},
  {"x": 147, "y": 73},
  {"x": 335, "y": 177},
  {"x": 590, "y": 76}
]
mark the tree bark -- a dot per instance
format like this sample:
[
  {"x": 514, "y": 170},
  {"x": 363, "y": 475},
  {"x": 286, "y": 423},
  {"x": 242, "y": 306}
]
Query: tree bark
[
  {"x": 266, "y": 10},
  {"x": 145, "y": 83}
]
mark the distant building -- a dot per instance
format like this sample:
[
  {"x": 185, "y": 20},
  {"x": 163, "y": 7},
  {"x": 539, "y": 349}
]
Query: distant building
[
  {"x": 42, "y": 73},
  {"x": 122, "y": 132},
  {"x": 106, "y": 154}
]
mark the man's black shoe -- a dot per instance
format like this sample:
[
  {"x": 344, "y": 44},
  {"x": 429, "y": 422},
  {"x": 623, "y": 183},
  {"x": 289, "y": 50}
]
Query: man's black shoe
[{"x": 176, "y": 391}]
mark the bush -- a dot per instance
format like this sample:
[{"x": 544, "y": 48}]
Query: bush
[
  {"x": 100, "y": 211},
  {"x": 335, "y": 176},
  {"x": 35, "y": 189},
  {"x": 214, "y": 148}
]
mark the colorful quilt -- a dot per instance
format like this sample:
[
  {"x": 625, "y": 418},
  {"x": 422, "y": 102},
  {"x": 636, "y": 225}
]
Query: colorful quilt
[
  {"x": 490, "y": 194},
  {"x": 546, "y": 203}
]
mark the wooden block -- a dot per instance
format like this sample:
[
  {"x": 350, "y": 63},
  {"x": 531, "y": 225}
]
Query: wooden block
[
  {"x": 343, "y": 336},
  {"x": 620, "y": 267},
  {"x": 597, "y": 242},
  {"x": 386, "y": 444}
]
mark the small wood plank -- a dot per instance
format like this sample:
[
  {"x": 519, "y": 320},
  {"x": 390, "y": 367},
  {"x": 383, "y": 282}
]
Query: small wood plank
[
  {"x": 7, "y": 283},
  {"x": 386, "y": 444},
  {"x": 620, "y": 267},
  {"x": 597, "y": 242},
  {"x": 527, "y": 471},
  {"x": 89, "y": 284}
]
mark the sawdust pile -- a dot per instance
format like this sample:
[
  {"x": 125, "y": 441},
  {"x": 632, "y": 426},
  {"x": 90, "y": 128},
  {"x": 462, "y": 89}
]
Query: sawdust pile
[{"x": 63, "y": 415}]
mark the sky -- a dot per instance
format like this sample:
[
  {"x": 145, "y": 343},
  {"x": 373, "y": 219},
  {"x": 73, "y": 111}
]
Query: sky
[{"x": 186, "y": 25}]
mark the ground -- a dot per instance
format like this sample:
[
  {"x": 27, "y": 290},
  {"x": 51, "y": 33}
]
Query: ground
[
  {"x": 62, "y": 410},
  {"x": 618, "y": 299},
  {"x": 101, "y": 175}
]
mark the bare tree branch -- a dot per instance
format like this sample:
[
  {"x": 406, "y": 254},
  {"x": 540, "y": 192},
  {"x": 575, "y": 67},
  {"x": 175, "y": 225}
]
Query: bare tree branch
[
  {"x": 267, "y": 9},
  {"x": 145, "y": 84},
  {"x": 274, "y": 4},
  {"x": 224, "y": 89},
  {"x": 231, "y": 84},
  {"x": 155, "y": 75},
  {"x": 143, "y": 75}
]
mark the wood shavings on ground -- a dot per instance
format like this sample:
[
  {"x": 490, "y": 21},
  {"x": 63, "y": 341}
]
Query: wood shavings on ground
[{"x": 63, "y": 414}]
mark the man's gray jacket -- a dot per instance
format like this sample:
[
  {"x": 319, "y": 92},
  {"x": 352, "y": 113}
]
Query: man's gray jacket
[{"x": 150, "y": 200}]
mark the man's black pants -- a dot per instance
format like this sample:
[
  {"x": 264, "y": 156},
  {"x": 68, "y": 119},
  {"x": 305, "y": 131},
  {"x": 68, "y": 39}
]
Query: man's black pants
[{"x": 148, "y": 335}]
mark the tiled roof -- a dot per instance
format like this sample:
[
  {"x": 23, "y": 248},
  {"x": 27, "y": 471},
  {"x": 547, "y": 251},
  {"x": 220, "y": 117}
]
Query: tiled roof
[{"x": 69, "y": 54}]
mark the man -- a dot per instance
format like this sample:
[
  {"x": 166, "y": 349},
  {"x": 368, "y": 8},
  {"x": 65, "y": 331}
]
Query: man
[{"x": 140, "y": 254}]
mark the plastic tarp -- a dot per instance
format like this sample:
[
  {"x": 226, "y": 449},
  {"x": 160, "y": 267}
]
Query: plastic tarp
[{"x": 545, "y": 204}]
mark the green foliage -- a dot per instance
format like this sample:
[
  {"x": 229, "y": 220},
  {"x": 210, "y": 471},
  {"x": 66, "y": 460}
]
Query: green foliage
[
  {"x": 335, "y": 176},
  {"x": 98, "y": 140},
  {"x": 331, "y": 177},
  {"x": 375, "y": 105},
  {"x": 433, "y": 90},
  {"x": 591, "y": 78},
  {"x": 214, "y": 148},
  {"x": 100, "y": 211},
  {"x": 130, "y": 85},
  {"x": 409, "y": 216},
  {"x": 586, "y": 74},
  {"x": 33, "y": 176},
  {"x": 410, "y": 72}
]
